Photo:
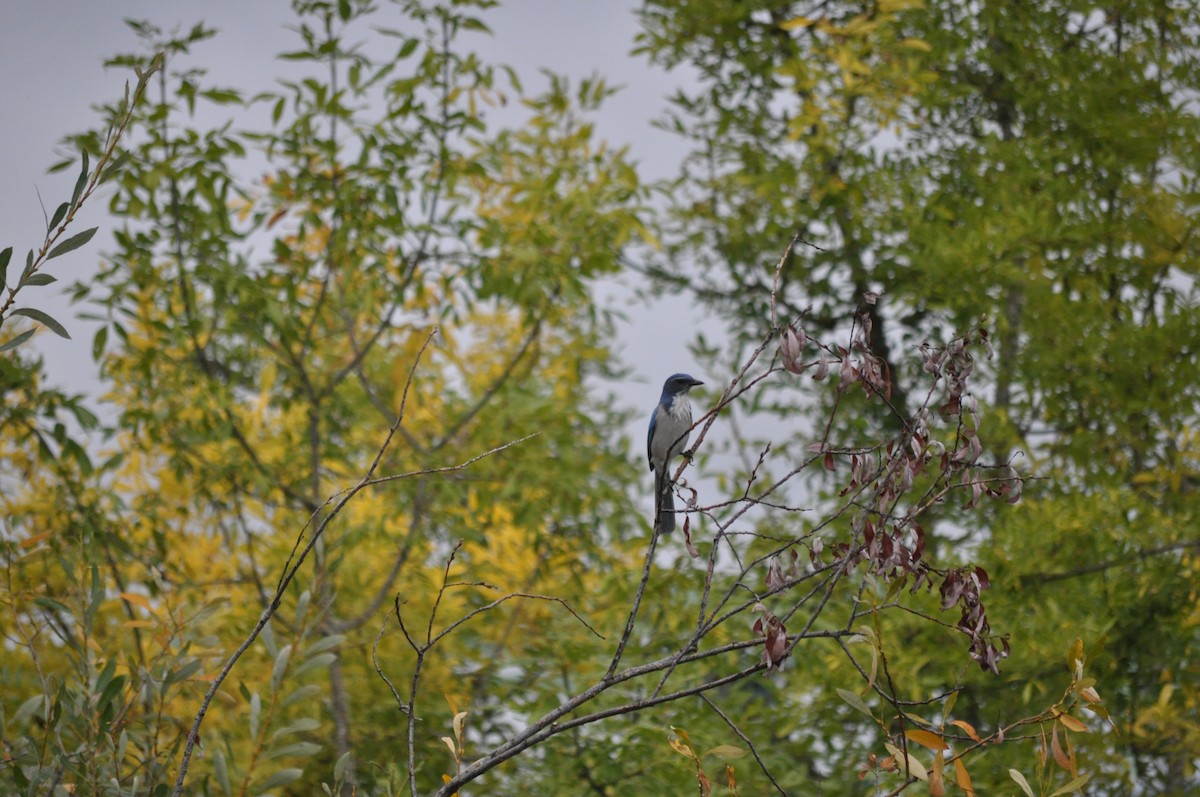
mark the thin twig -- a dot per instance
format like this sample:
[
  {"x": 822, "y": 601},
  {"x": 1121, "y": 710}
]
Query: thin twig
[{"x": 746, "y": 739}]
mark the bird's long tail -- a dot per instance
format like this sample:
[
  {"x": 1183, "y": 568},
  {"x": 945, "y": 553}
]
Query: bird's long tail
[{"x": 664, "y": 505}]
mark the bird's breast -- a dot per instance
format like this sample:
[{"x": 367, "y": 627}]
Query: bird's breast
[{"x": 681, "y": 410}]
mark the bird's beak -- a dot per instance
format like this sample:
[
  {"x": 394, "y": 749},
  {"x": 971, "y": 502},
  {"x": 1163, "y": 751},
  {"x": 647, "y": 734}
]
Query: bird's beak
[{"x": 695, "y": 382}]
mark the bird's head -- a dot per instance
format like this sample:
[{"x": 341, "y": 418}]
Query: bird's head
[{"x": 679, "y": 383}]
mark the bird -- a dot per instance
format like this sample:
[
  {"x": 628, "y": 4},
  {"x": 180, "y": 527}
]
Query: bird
[{"x": 670, "y": 427}]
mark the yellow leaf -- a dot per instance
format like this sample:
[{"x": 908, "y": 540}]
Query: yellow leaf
[
  {"x": 937, "y": 786},
  {"x": 136, "y": 600},
  {"x": 915, "y": 767},
  {"x": 1075, "y": 657},
  {"x": 137, "y": 623},
  {"x": 927, "y": 739},
  {"x": 916, "y": 44},
  {"x": 1072, "y": 723},
  {"x": 796, "y": 22},
  {"x": 34, "y": 539},
  {"x": 682, "y": 748},
  {"x": 681, "y": 733},
  {"x": 964, "y": 780},
  {"x": 970, "y": 729},
  {"x": 459, "y": 720}
]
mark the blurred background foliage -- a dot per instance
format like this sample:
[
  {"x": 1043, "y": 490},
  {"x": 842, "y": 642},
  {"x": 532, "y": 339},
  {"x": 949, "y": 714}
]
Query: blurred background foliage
[{"x": 267, "y": 284}]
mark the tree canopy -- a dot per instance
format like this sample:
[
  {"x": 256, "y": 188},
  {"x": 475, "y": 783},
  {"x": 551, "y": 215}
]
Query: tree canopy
[{"x": 349, "y": 513}]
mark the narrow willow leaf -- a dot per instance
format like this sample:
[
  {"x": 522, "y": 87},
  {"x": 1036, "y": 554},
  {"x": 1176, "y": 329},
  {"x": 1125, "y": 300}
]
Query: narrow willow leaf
[
  {"x": 50, "y": 323},
  {"x": 18, "y": 340},
  {"x": 303, "y": 694},
  {"x": 302, "y": 725},
  {"x": 255, "y": 713},
  {"x": 299, "y": 749},
  {"x": 854, "y": 701},
  {"x": 1019, "y": 779},
  {"x": 1075, "y": 785},
  {"x": 280, "y": 778},
  {"x": 331, "y": 641},
  {"x": 320, "y": 661},
  {"x": 81, "y": 183},
  {"x": 726, "y": 751},
  {"x": 281, "y": 663},
  {"x": 58, "y": 215},
  {"x": 914, "y": 767},
  {"x": 221, "y": 770},
  {"x": 5, "y": 256},
  {"x": 71, "y": 244},
  {"x": 28, "y": 708},
  {"x": 98, "y": 342},
  {"x": 38, "y": 279},
  {"x": 115, "y": 166},
  {"x": 339, "y": 769},
  {"x": 184, "y": 672},
  {"x": 927, "y": 739}
]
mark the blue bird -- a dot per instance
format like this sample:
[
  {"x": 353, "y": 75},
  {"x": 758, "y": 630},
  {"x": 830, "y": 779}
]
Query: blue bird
[{"x": 670, "y": 427}]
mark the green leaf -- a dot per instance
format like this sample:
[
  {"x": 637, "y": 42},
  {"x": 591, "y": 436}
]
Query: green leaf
[
  {"x": 5, "y": 256},
  {"x": 471, "y": 23},
  {"x": 111, "y": 691},
  {"x": 222, "y": 96},
  {"x": 18, "y": 340},
  {"x": 184, "y": 672},
  {"x": 71, "y": 244},
  {"x": 854, "y": 701},
  {"x": 304, "y": 693},
  {"x": 281, "y": 778},
  {"x": 106, "y": 675},
  {"x": 99, "y": 342},
  {"x": 321, "y": 645},
  {"x": 58, "y": 215},
  {"x": 318, "y": 662},
  {"x": 726, "y": 751},
  {"x": 255, "y": 713},
  {"x": 268, "y": 639},
  {"x": 339, "y": 769},
  {"x": 1074, "y": 785},
  {"x": 407, "y": 48},
  {"x": 28, "y": 708},
  {"x": 81, "y": 183},
  {"x": 37, "y": 280},
  {"x": 281, "y": 663},
  {"x": 295, "y": 749},
  {"x": 50, "y": 323},
  {"x": 302, "y": 725},
  {"x": 114, "y": 166},
  {"x": 222, "y": 770}
]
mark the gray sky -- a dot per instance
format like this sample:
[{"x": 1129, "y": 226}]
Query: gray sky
[{"x": 51, "y": 53}]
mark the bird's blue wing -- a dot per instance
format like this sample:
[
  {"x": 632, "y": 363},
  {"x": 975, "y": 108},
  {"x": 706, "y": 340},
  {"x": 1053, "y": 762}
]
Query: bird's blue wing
[{"x": 650, "y": 437}]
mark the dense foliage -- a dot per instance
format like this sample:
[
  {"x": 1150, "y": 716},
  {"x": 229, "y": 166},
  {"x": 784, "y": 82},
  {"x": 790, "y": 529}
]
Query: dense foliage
[{"x": 350, "y": 513}]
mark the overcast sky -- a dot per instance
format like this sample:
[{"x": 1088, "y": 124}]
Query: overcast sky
[{"x": 51, "y": 55}]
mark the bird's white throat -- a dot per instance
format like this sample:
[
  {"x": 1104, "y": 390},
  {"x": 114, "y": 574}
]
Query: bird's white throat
[{"x": 681, "y": 409}]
